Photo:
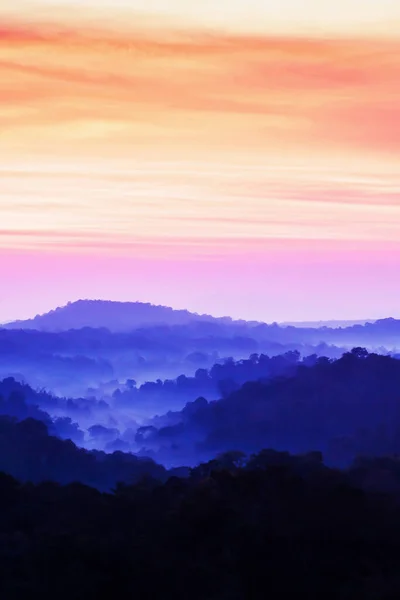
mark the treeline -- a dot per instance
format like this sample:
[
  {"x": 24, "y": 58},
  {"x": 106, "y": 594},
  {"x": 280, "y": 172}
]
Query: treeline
[
  {"x": 344, "y": 407},
  {"x": 125, "y": 317},
  {"x": 29, "y": 453},
  {"x": 279, "y": 527},
  {"x": 155, "y": 397},
  {"x": 69, "y": 362},
  {"x": 21, "y": 400},
  {"x": 219, "y": 381}
]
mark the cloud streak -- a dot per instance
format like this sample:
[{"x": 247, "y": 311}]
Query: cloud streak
[{"x": 205, "y": 88}]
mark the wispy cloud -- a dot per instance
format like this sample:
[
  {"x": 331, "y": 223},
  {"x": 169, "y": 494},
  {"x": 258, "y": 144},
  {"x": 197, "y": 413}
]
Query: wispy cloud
[
  {"x": 123, "y": 98},
  {"x": 199, "y": 90}
]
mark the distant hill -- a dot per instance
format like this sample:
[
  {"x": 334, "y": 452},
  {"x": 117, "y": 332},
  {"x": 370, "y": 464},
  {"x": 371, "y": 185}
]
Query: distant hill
[
  {"x": 332, "y": 324},
  {"x": 120, "y": 317},
  {"x": 115, "y": 316},
  {"x": 383, "y": 333}
]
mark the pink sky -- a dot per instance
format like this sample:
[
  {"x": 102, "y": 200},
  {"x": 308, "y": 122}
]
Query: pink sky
[{"x": 185, "y": 160}]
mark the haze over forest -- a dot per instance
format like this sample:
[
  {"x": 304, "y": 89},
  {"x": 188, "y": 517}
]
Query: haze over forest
[
  {"x": 200, "y": 299},
  {"x": 117, "y": 376},
  {"x": 121, "y": 408}
]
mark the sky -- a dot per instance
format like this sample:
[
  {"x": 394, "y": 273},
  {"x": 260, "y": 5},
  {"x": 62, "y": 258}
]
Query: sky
[{"x": 239, "y": 159}]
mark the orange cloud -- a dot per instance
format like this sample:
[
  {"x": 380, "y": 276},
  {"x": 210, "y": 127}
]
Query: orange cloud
[
  {"x": 111, "y": 93},
  {"x": 243, "y": 105}
]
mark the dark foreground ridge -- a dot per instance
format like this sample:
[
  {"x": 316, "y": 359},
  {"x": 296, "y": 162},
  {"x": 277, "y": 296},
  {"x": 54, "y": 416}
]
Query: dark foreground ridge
[{"x": 279, "y": 527}]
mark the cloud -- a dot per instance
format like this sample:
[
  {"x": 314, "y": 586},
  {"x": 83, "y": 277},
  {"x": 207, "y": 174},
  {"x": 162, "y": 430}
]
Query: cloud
[
  {"x": 117, "y": 98},
  {"x": 197, "y": 89}
]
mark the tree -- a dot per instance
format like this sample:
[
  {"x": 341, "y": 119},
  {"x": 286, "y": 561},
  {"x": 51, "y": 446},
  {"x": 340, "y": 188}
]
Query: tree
[
  {"x": 360, "y": 353},
  {"x": 231, "y": 460}
]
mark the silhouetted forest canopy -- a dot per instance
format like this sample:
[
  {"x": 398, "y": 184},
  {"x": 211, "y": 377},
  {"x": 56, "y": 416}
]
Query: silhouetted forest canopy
[
  {"x": 158, "y": 453},
  {"x": 279, "y": 526},
  {"x": 343, "y": 407}
]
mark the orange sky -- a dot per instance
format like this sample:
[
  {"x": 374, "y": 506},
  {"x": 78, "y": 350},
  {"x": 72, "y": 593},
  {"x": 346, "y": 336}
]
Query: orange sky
[{"x": 157, "y": 137}]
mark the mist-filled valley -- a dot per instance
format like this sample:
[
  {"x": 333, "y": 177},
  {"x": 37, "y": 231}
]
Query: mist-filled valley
[
  {"x": 150, "y": 446},
  {"x": 199, "y": 305},
  {"x": 179, "y": 388}
]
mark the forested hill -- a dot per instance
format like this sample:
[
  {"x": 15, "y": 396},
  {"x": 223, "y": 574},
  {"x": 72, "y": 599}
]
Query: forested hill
[
  {"x": 129, "y": 316},
  {"x": 116, "y": 316}
]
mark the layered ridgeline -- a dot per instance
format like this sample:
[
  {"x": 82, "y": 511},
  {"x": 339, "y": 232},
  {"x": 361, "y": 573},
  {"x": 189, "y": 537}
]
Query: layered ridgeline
[
  {"x": 115, "y": 316},
  {"x": 344, "y": 408},
  {"x": 89, "y": 344},
  {"x": 70, "y": 362},
  {"x": 129, "y": 316}
]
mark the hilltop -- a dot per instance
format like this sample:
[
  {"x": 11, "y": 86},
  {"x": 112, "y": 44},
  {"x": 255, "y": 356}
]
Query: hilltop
[{"x": 115, "y": 316}]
